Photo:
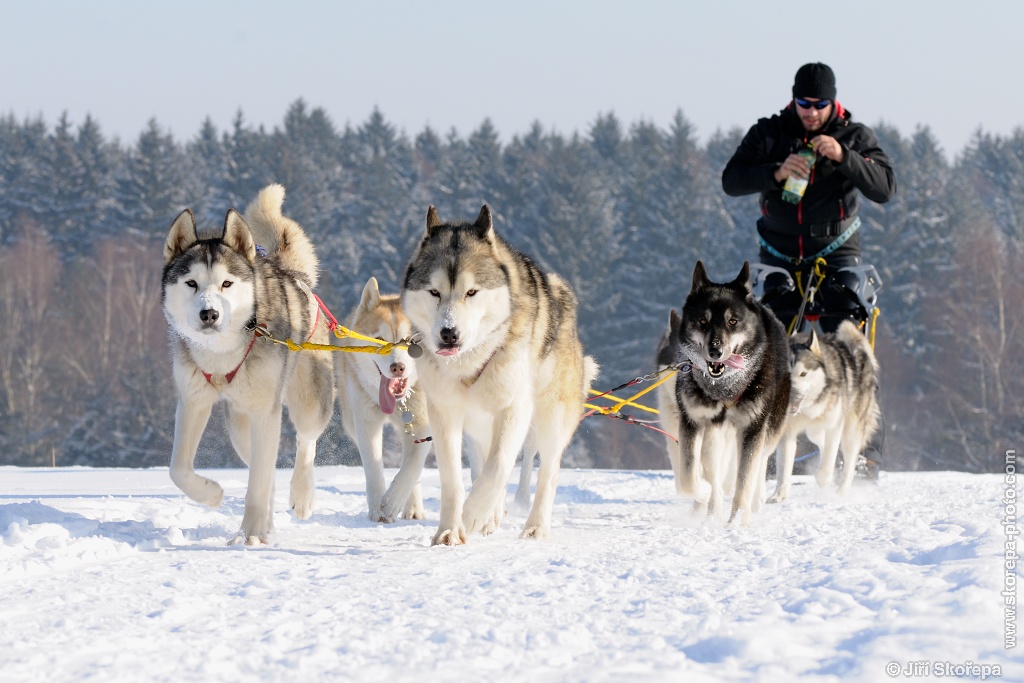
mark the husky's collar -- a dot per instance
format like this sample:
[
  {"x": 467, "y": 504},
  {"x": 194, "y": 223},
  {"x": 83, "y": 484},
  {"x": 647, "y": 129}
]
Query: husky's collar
[
  {"x": 231, "y": 375},
  {"x": 731, "y": 403},
  {"x": 470, "y": 381}
]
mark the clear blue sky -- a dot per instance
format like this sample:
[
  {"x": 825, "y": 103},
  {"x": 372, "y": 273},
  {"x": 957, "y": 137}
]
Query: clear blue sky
[{"x": 953, "y": 66}]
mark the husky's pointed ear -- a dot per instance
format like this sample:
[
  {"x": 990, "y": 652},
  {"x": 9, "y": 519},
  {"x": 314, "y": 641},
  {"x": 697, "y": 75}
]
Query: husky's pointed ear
[
  {"x": 237, "y": 236},
  {"x": 700, "y": 277},
  {"x": 742, "y": 281},
  {"x": 433, "y": 220},
  {"x": 371, "y": 295},
  {"x": 484, "y": 226},
  {"x": 814, "y": 344},
  {"x": 182, "y": 235},
  {"x": 675, "y": 321}
]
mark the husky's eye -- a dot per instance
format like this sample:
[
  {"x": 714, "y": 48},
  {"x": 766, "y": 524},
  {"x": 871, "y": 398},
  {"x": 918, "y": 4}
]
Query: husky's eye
[
  {"x": 733, "y": 322},
  {"x": 436, "y": 293},
  {"x": 803, "y": 374},
  {"x": 703, "y": 322},
  {"x": 472, "y": 292},
  {"x": 192, "y": 284},
  {"x": 226, "y": 284}
]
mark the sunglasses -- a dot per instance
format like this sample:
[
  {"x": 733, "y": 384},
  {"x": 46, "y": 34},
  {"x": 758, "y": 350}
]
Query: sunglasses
[{"x": 820, "y": 104}]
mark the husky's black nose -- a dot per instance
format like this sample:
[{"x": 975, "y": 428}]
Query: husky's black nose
[
  {"x": 715, "y": 350},
  {"x": 209, "y": 316},
  {"x": 398, "y": 369},
  {"x": 449, "y": 336}
]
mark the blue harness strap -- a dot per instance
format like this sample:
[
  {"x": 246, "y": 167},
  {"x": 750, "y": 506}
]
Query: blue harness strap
[{"x": 835, "y": 244}]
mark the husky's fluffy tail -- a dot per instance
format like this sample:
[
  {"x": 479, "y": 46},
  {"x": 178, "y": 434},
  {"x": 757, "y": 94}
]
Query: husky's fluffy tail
[
  {"x": 280, "y": 235},
  {"x": 850, "y": 334},
  {"x": 590, "y": 371}
]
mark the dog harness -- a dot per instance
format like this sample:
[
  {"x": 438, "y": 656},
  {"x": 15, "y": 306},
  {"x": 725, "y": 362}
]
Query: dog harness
[
  {"x": 231, "y": 375},
  {"x": 468, "y": 382},
  {"x": 253, "y": 325}
]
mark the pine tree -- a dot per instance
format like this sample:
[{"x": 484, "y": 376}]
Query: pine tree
[
  {"x": 150, "y": 191},
  {"x": 207, "y": 181}
]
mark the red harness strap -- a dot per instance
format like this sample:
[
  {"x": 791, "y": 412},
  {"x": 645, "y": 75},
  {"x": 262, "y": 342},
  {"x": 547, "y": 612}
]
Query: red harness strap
[
  {"x": 320, "y": 307},
  {"x": 334, "y": 322},
  {"x": 231, "y": 375}
]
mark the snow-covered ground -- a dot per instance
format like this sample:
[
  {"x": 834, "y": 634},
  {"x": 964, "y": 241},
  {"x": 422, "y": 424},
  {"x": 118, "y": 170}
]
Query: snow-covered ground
[{"x": 112, "y": 575}]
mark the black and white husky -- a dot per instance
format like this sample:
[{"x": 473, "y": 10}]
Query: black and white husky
[
  {"x": 834, "y": 401},
  {"x": 731, "y": 394},
  {"x": 215, "y": 292}
]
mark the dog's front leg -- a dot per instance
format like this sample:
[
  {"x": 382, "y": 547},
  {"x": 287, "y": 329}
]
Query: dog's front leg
[
  {"x": 447, "y": 432},
  {"x": 402, "y": 496},
  {"x": 829, "y": 452},
  {"x": 486, "y": 501},
  {"x": 258, "y": 520},
  {"x": 369, "y": 428},
  {"x": 525, "y": 475},
  {"x": 690, "y": 480},
  {"x": 189, "y": 422},
  {"x": 749, "y": 450},
  {"x": 784, "y": 467}
]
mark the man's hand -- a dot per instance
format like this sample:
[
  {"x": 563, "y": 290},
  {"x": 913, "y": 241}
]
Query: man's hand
[
  {"x": 826, "y": 146},
  {"x": 794, "y": 165}
]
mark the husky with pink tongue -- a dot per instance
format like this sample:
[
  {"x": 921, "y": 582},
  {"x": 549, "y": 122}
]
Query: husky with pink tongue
[
  {"x": 374, "y": 390},
  {"x": 731, "y": 392}
]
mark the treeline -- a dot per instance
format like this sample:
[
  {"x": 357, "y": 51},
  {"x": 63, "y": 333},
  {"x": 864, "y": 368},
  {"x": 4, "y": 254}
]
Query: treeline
[{"x": 622, "y": 212}]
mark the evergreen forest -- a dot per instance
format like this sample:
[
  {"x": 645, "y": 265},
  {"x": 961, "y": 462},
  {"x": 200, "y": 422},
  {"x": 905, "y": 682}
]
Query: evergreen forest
[{"x": 621, "y": 210}]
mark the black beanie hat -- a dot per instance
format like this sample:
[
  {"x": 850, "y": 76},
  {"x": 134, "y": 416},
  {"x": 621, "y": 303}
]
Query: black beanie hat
[{"x": 815, "y": 80}]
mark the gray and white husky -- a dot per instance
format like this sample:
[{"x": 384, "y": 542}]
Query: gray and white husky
[
  {"x": 374, "y": 390},
  {"x": 215, "y": 292},
  {"x": 834, "y": 400},
  {"x": 731, "y": 395},
  {"x": 501, "y": 356}
]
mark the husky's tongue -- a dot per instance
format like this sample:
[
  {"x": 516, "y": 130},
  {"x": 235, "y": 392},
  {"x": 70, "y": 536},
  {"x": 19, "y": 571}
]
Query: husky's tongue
[
  {"x": 735, "y": 361},
  {"x": 386, "y": 396}
]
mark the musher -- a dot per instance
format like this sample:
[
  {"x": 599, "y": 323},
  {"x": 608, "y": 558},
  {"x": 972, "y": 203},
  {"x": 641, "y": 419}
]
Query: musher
[{"x": 848, "y": 161}]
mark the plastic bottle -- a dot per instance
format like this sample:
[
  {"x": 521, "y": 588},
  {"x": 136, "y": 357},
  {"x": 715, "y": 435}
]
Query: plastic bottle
[{"x": 793, "y": 192}]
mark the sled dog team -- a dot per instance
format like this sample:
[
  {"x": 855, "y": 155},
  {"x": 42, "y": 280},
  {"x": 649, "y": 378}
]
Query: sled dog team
[{"x": 502, "y": 363}]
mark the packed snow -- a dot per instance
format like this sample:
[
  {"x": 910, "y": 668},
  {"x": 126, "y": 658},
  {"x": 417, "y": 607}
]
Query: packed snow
[{"x": 113, "y": 575}]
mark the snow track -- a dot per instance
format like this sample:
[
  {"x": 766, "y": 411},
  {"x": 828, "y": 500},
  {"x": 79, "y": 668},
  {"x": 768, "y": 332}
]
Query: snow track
[{"x": 112, "y": 575}]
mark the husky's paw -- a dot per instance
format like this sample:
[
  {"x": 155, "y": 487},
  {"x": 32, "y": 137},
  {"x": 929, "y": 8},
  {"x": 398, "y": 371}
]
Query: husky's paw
[
  {"x": 481, "y": 515},
  {"x": 823, "y": 478},
  {"x": 778, "y": 497},
  {"x": 390, "y": 509},
  {"x": 413, "y": 511},
  {"x": 379, "y": 516},
  {"x": 739, "y": 519},
  {"x": 491, "y": 524},
  {"x": 449, "y": 537},
  {"x": 703, "y": 492},
  {"x": 537, "y": 531},
  {"x": 204, "y": 491},
  {"x": 302, "y": 499},
  {"x": 257, "y": 524},
  {"x": 251, "y": 539}
]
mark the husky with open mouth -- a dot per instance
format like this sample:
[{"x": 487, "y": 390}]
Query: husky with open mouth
[
  {"x": 502, "y": 361},
  {"x": 375, "y": 390},
  {"x": 731, "y": 394}
]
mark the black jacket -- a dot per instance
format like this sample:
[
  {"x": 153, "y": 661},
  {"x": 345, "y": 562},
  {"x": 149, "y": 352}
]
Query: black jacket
[{"x": 831, "y": 194}]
